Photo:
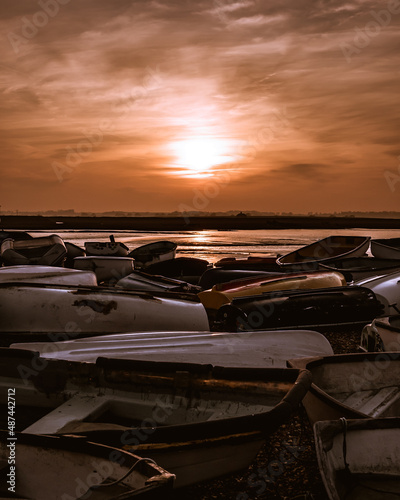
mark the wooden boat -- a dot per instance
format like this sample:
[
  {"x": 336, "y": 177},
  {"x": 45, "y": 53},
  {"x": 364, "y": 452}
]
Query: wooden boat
[
  {"x": 300, "y": 309},
  {"x": 110, "y": 248},
  {"x": 196, "y": 421},
  {"x": 224, "y": 293},
  {"x": 184, "y": 268},
  {"x": 107, "y": 269},
  {"x": 326, "y": 250},
  {"x": 359, "y": 459},
  {"x": 51, "y": 467},
  {"x": 61, "y": 312},
  {"x": 47, "y": 275},
  {"x": 387, "y": 290},
  {"x": 383, "y": 334},
  {"x": 250, "y": 263},
  {"x": 357, "y": 268},
  {"x": 154, "y": 283},
  {"x": 45, "y": 251},
  {"x": 152, "y": 253},
  {"x": 258, "y": 349},
  {"x": 362, "y": 385},
  {"x": 217, "y": 275},
  {"x": 388, "y": 248}
]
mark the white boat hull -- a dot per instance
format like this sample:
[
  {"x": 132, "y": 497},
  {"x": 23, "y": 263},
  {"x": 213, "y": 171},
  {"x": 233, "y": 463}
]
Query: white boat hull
[
  {"x": 245, "y": 349},
  {"x": 386, "y": 289},
  {"x": 73, "y": 311},
  {"x": 45, "y": 251},
  {"x": 47, "y": 275}
]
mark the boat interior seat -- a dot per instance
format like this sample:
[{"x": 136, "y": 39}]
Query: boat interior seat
[{"x": 379, "y": 403}]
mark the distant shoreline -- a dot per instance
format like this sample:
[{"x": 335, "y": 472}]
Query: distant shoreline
[{"x": 192, "y": 223}]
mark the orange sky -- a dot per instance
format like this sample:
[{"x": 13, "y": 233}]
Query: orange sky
[{"x": 207, "y": 105}]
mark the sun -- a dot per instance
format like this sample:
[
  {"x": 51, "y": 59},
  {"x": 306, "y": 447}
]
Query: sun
[{"x": 198, "y": 157}]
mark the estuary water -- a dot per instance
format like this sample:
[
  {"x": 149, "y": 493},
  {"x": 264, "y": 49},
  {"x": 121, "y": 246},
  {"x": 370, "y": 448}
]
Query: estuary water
[{"x": 213, "y": 245}]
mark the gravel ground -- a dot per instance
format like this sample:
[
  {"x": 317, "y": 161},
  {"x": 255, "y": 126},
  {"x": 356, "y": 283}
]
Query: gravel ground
[{"x": 286, "y": 468}]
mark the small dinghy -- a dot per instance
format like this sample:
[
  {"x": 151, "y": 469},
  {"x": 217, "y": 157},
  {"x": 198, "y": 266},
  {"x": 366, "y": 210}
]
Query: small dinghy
[
  {"x": 196, "y": 421},
  {"x": 107, "y": 269},
  {"x": 47, "y": 275},
  {"x": 51, "y": 467},
  {"x": 183, "y": 268},
  {"x": 259, "y": 349},
  {"x": 154, "y": 283},
  {"x": 110, "y": 248},
  {"x": 224, "y": 293},
  {"x": 383, "y": 334},
  {"x": 388, "y": 248},
  {"x": 363, "y": 385},
  {"x": 359, "y": 459},
  {"x": 152, "y": 253},
  {"x": 358, "y": 268},
  {"x": 45, "y": 251},
  {"x": 73, "y": 251},
  {"x": 61, "y": 312},
  {"x": 387, "y": 290},
  {"x": 300, "y": 309},
  {"x": 326, "y": 250}
]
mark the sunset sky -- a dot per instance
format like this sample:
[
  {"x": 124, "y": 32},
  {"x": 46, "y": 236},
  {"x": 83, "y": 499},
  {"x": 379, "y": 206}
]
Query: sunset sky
[{"x": 200, "y": 105}]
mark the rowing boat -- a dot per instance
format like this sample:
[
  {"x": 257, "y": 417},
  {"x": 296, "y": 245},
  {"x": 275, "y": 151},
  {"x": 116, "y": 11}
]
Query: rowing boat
[
  {"x": 196, "y": 421},
  {"x": 386, "y": 248},
  {"x": 326, "y": 250},
  {"x": 383, "y": 334},
  {"x": 359, "y": 459}
]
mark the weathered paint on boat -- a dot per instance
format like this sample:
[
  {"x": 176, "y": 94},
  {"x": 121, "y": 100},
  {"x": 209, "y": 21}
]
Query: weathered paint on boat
[
  {"x": 224, "y": 293},
  {"x": 199, "y": 421},
  {"x": 61, "y": 312},
  {"x": 387, "y": 290},
  {"x": 327, "y": 249},
  {"x": 383, "y": 334},
  {"x": 47, "y": 275},
  {"x": 259, "y": 349},
  {"x": 388, "y": 248},
  {"x": 106, "y": 268},
  {"x": 46, "y": 251},
  {"x": 359, "y": 459},
  {"x": 66, "y": 468},
  {"x": 361, "y": 385}
]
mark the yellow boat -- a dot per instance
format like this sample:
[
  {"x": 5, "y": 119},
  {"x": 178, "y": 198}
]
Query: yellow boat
[{"x": 223, "y": 293}]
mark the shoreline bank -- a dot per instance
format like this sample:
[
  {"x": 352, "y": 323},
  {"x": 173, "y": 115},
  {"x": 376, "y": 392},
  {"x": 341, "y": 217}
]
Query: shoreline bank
[{"x": 186, "y": 223}]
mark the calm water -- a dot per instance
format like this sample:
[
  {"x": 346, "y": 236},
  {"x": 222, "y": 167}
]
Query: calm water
[{"x": 213, "y": 245}]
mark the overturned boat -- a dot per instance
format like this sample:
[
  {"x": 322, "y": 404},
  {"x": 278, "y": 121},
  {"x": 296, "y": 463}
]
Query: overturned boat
[
  {"x": 224, "y": 293},
  {"x": 326, "y": 250},
  {"x": 300, "y": 309},
  {"x": 47, "y": 275},
  {"x": 363, "y": 385},
  {"x": 62, "y": 312},
  {"x": 51, "y": 467},
  {"x": 258, "y": 349},
  {"x": 359, "y": 459},
  {"x": 44, "y": 250},
  {"x": 196, "y": 421},
  {"x": 387, "y": 290}
]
